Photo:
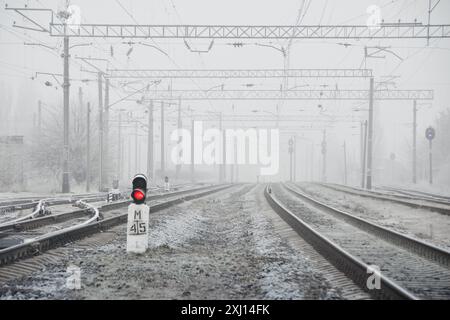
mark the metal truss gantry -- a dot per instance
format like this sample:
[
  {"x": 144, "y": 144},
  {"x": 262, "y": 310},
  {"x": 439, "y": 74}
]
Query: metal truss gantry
[
  {"x": 274, "y": 117},
  {"x": 238, "y": 73},
  {"x": 291, "y": 95},
  {"x": 383, "y": 31}
]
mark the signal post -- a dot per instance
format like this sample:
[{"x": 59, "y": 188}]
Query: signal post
[
  {"x": 430, "y": 133},
  {"x": 138, "y": 217}
]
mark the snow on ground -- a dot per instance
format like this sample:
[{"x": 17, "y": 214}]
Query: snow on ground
[
  {"x": 55, "y": 209},
  {"x": 217, "y": 247},
  {"x": 6, "y": 216},
  {"x": 429, "y": 226},
  {"x": 13, "y": 195},
  {"x": 426, "y": 187},
  {"x": 11, "y": 215}
]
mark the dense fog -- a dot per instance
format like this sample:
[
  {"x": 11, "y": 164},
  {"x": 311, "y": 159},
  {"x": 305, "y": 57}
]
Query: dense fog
[{"x": 31, "y": 99}]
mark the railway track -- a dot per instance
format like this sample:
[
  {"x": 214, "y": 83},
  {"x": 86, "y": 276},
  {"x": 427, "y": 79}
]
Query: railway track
[
  {"x": 93, "y": 225},
  {"x": 35, "y": 199},
  {"x": 409, "y": 268},
  {"x": 24, "y": 230},
  {"x": 30, "y": 224},
  {"x": 415, "y": 194},
  {"x": 21, "y": 203},
  {"x": 414, "y": 202},
  {"x": 33, "y": 221},
  {"x": 32, "y": 203}
]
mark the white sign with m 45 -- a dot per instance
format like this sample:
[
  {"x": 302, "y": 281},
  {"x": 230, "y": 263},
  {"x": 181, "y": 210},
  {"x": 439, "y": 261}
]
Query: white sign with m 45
[{"x": 137, "y": 228}]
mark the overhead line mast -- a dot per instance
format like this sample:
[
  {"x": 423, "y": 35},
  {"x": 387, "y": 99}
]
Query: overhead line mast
[{"x": 394, "y": 31}]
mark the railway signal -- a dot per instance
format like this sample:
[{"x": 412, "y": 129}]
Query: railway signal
[
  {"x": 138, "y": 217},
  {"x": 114, "y": 193},
  {"x": 166, "y": 183},
  {"x": 430, "y": 133},
  {"x": 139, "y": 189}
]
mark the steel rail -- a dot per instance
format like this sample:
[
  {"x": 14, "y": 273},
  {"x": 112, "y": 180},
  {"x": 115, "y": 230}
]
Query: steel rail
[
  {"x": 421, "y": 248},
  {"x": 49, "y": 219},
  {"x": 392, "y": 198},
  {"x": 55, "y": 239},
  {"x": 351, "y": 266},
  {"x": 42, "y": 221},
  {"x": 34, "y": 215},
  {"x": 415, "y": 194},
  {"x": 28, "y": 203}
]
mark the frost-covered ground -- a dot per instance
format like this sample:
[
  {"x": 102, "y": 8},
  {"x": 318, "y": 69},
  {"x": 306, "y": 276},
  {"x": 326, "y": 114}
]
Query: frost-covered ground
[
  {"x": 11, "y": 215},
  {"x": 4, "y": 196},
  {"x": 429, "y": 226},
  {"x": 55, "y": 209},
  {"x": 217, "y": 247},
  {"x": 426, "y": 187}
]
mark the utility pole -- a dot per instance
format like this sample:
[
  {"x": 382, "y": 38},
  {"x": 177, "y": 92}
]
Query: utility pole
[
  {"x": 106, "y": 158},
  {"x": 232, "y": 172},
  {"x": 136, "y": 169},
  {"x": 224, "y": 152},
  {"x": 345, "y": 164},
  {"x": 233, "y": 162},
  {"x": 291, "y": 151},
  {"x": 66, "y": 87},
  {"x": 130, "y": 140},
  {"x": 150, "y": 142},
  {"x": 39, "y": 118},
  {"x": 119, "y": 146},
  {"x": 370, "y": 137},
  {"x": 138, "y": 148},
  {"x": 88, "y": 147},
  {"x": 80, "y": 103},
  {"x": 236, "y": 165},
  {"x": 431, "y": 160},
  {"x": 363, "y": 168},
  {"x": 221, "y": 166},
  {"x": 414, "y": 162},
  {"x": 192, "y": 148},
  {"x": 278, "y": 118},
  {"x": 361, "y": 150},
  {"x": 163, "y": 166},
  {"x": 295, "y": 158},
  {"x": 100, "y": 128},
  {"x": 235, "y": 155},
  {"x": 122, "y": 158},
  {"x": 324, "y": 156},
  {"x": 312, "y": 162},
  {"x": 179, "y": 125}
]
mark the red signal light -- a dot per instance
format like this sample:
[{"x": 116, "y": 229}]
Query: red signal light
[
  {"x": 139, "y": 188},
  {"x": 138, "y": 196}
]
